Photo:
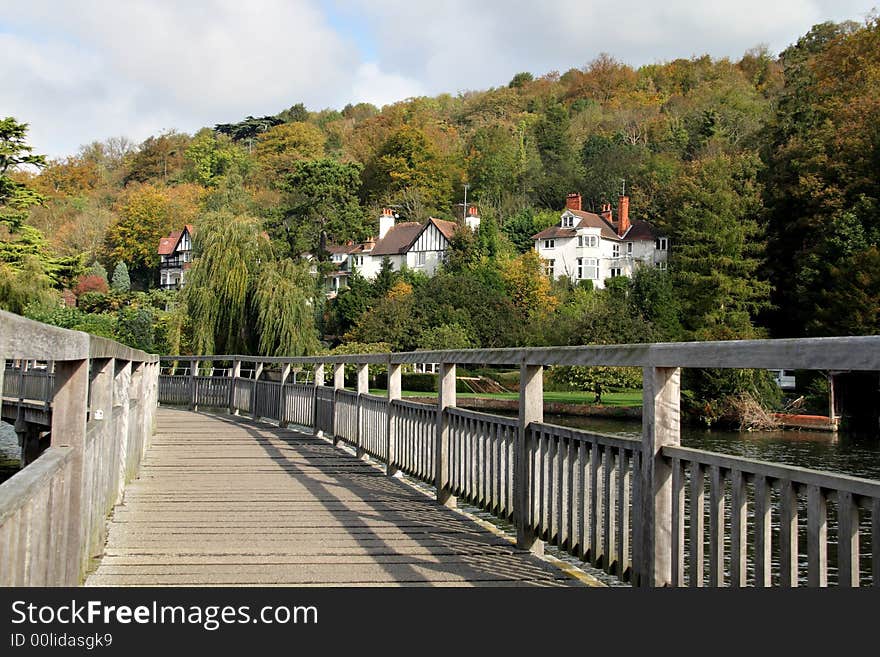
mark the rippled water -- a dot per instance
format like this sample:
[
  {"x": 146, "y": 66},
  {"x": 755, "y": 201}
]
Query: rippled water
[
  {"x": 10, "y": 452},
  {"x": 847, "y": 453}
]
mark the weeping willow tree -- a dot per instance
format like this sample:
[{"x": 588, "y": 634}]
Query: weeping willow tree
[
  {"x": 285, "y": 316},
  {"x": 239, "y": 298}
]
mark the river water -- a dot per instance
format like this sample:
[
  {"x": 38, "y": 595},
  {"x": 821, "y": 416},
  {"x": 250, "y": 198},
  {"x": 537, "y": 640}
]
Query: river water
[
  {"x": 846, "y": 453},
  {"x": 10, "y": 453}
]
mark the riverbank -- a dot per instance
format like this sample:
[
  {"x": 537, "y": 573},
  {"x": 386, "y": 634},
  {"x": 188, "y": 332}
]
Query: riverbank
[{"x": 550, "y": 407}]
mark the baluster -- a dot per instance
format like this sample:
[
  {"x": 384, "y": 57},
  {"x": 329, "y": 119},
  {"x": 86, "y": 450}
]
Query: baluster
[
  {"x": 788, "y": 534},
  {"x": 610, "y": 501},
  {"x": 738, "y": 511},
  {"x": 583, "y": 500},
  {"x": 817, "y": 537},
  {"x": 697, "y": 519},
  {"x": 716, "y": 527},
  {"x": 677, "y": 522},
  {"x": 762, "y": 532},
  {"x": 596, "y": 476},
  {"x": 847, "y": 540},
  {"x": 623, "y": 484}
]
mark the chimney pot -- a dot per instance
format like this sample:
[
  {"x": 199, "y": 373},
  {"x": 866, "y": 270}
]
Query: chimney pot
[{"x": 623, "y": 222}]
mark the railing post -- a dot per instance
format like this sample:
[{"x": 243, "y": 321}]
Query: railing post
[
  {"x": 445, "y": 399},
  {"x": 318, "y": 383},
  {"x": 258, "y": 372},
  {"x": 285, "y": 373},
  {"x": 338, "y": 384},
  {"x": 394, "y": 392},
  {"x": 363, "y": 387},
  {"x": 661, "y": 401},
  {"x": 234, "y": 373},
  {"x": 69, "y": 409},
  {"x": 531, "y": 409},
  {"x": 193, "y": 385}
]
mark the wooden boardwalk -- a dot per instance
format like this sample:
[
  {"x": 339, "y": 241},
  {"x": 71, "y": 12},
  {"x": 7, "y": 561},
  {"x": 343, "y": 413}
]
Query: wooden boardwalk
[{"x": 230, "y": 502}]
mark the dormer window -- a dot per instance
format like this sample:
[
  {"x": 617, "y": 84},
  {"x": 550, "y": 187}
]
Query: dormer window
[{"x": 567, "y": 221}]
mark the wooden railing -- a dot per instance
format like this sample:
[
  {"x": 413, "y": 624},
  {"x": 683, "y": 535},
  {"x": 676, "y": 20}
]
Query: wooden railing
[
  {"x": 635, "y": 508},
  {"x": 102, "y": 399}
]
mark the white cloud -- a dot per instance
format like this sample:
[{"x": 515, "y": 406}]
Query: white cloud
[
  {"x": 372, "y": 85},
  {"x": 92, "y": 69}
]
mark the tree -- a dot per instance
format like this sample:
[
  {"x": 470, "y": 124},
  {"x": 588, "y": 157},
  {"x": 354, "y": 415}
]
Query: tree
[
  {"x": 158, "y": 158},
  {"x": 121, "y": 281},
  {"x": 211, "y": 156},
  {"x": 409, "y": 160},
  {"x": 16, "y": 197},
  {"x": 823, "y": 194},
  {"x": 247, "y": 130},
  {"x": 520, "y": 80},
  {"x": 320, "y": 206},
  {"x": 240, "y": 298},
  {"x": 146, "y": 213},
  {"x": 24, "y": 251},
  {"x": 716, "y": 259},
  {"x": 278, "y": 150}
]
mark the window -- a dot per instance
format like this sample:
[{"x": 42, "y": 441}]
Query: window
[
  {"x": 549, "y": 266},
  {"x": 588, "y": 241},
  {"x": 615, "y": 250},
  {"x": 587, "y": 268},
  {"x": 567, "y": 221},
  {"x": 615, "y": 271},
  {"x": 420, "y": 258},
  {"x": 662, "y": 244},
  {"x": 661, "y": 265},
  {"x": 358, "y": 261},
  {"x": 549, "y": 244},
  {"x": 629, "y": 248}
]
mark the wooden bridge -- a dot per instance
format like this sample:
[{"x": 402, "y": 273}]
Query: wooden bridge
[{"x": 260, "y": 478}]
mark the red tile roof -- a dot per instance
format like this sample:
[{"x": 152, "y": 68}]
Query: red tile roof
[
  {"x": 168, "y": 244},
  {"x": 447, "y": 228}
]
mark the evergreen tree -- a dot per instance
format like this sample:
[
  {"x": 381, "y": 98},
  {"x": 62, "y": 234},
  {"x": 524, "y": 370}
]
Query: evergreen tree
[{"x": 121, "y": 282}]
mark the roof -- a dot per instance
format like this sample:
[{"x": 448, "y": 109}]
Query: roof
[
  {"x": 334, "y": 249},
  {"x": 447, "y": 228},
  {"x": 639, "y": 230},
  {"x": 168, "y": 244},
  {"x": 398, "y": 239}
]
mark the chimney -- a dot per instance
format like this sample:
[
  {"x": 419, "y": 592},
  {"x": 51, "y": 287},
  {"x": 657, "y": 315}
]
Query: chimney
[
  {"x": 573, "y": 202},
  {"x": 623, "y": 216},
  {"x": 386, "y": 222},
  {"x": 472, "y": 220},
  {"x": 606, "y": 212}
]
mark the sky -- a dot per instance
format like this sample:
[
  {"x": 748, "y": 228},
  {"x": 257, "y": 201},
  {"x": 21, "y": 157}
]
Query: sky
[{"x": 93, "y": 69}]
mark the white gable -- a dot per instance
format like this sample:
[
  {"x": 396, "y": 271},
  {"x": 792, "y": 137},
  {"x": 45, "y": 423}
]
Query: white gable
[{"x": 431, "y": 239}]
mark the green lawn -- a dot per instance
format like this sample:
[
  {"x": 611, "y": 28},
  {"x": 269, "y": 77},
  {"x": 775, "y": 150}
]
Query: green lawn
[{"x": 625, "y": 398}]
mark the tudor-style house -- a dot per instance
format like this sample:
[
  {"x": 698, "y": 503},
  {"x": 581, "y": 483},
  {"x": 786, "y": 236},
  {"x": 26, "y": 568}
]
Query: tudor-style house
[
  {"x": 175, "y": 257},
  {"x": 418, "y": 246},
  {"x": 589, "y": 246}
]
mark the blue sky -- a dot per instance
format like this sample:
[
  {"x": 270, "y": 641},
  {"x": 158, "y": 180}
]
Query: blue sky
[{"x": 92, "y": 69}]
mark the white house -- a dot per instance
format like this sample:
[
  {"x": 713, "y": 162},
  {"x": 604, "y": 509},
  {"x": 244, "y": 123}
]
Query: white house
[
  {"x": 589, "y": 246},
  {"x": 175, "y": 257},
  {"x": 419, "y": 246}
]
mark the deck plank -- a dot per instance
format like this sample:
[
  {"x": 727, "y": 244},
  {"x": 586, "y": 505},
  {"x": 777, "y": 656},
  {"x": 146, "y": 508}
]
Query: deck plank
[{"x": 225, "y": 501}]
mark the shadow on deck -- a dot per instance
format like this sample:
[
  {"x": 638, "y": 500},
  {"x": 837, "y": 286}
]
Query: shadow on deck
[{"x": 226, "y": 501}]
